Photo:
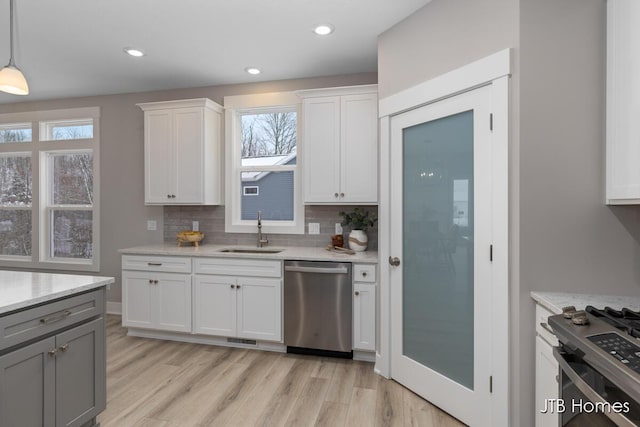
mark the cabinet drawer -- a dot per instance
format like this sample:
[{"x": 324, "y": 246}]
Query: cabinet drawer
[
  {"x": 157, "y": 263},
  {"x": 238, "y": 267},
  {"x": 364, "y": 273},
  {"x": 542, "y": 325},
  {"x": 29, "y": 324}
]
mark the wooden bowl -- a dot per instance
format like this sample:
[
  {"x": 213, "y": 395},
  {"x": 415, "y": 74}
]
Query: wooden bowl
[{"x": 194, "y": 237}]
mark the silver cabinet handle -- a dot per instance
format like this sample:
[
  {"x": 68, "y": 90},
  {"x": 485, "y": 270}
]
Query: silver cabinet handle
[
  {"x": 339, "y": 270},
  {"x": 53, "y": 352},
  {"x": 335, "y": 195},
  {"x": 150, "y": 282},
  {"x": 53, "y": 319},
  {"x": 357, "y": 293},
  {"x": 341, "y": 194},
  {"x": 364, "y": 274},
  {"x": 154, "y": 264},
  {"x": 237, "y": 286},
  {"x": 395, "y": 261},
  {"x": 233, "y": 286},
  {"x": 65, "y": 347}
]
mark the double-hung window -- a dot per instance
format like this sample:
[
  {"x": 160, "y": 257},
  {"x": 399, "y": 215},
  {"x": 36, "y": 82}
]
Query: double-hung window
[
  {"x": 49, "y": 196},
  {"x": 262, "y": 173}
]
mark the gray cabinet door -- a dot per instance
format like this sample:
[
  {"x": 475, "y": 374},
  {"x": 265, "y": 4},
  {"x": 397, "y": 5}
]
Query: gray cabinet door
[
  {"x": 80, "y": 374},
  {"x": 27, "y": 381}
]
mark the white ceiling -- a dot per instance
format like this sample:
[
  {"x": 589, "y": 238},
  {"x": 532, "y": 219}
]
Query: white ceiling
[{"x": 70, "y": 48}]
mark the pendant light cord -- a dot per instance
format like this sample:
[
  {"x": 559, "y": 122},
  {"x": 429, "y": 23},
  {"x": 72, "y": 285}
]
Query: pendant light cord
[{"x": 11, "y": 63}]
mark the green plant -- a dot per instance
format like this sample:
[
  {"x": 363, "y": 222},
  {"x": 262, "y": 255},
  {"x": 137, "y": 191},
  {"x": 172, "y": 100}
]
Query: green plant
[{"x": 358, "y": 219}]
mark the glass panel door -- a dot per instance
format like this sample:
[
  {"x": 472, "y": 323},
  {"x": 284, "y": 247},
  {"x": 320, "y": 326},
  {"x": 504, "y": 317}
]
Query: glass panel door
[{"x": 438, "y": 312}]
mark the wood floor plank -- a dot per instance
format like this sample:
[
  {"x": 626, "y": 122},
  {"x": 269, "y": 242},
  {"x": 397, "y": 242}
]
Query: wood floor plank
[
  {"x": 249, "y": 411},
  {"x": 171, "y": 384},
  {"x": 290, "y": 388},
  {"x": 325, "y": 367},
  {"x": 341, "y": 387},
  {"x": 332, "y": 414},
  {"x": 389, "y": 404},
  {"x": 307, "y": 406},
  {"x": 365, "y": 376},
  {"x": 362, "y": 408}
]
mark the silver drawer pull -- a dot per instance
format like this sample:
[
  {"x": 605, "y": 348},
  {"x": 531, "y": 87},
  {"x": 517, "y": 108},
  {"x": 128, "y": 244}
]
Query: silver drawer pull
[
  {"x": 64, "y": 347},
  {"x": 53, "y": 319},
  {"x": 154, "y": 264}
]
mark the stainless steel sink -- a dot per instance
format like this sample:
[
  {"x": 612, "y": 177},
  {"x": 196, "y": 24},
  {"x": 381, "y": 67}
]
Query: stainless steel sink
[{"x": 251, "y": 251}]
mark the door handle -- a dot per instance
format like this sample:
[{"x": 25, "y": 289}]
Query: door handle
[{"x": 395, "y": 261}]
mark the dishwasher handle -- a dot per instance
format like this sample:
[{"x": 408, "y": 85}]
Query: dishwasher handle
[{"x": 321, "y": 270}]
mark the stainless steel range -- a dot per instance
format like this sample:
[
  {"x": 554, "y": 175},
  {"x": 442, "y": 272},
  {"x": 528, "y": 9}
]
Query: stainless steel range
[{"x": 599, "y": 357}]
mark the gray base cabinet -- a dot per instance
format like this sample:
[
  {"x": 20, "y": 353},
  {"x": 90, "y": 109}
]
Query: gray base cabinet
[{"x": 56, "y": 381}]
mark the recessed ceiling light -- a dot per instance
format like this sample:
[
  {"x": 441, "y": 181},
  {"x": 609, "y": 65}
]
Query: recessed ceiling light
[
  {"x": 253, "y": 70},
  {"x": 133, "y": 52},
  {"x": 324, "y": 29}
]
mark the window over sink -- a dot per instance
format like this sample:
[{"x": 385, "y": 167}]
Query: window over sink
[
  {"x": 49, "y": 189},
  {"x": 262, "y": 164}
]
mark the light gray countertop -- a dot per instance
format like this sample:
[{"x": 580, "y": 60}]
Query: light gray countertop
[
  {"x": 554, "y": 301},
  {"x": 288, "y": 253},
  {"x": 19, "y": 289}
]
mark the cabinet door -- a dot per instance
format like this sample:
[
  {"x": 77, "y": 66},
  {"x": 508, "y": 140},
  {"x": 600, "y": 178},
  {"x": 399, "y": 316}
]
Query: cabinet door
[
  {"x": 172, "y": 302},
  {"x": 364, "y": 316},
  {"x": 80, "y": 374},
  {"x": 260, "y": 309},
  {"x": 27, "y": 386},
  {"x": 359, "y": 148},
  {"x": 214, "y": 305},
  {"x": 547, "y": 371},
  {"x": 136, "y": 299},
  {"x": 158, "y": 152},
  {"x": 188, "y": 137},
  {"x": 321, "y": 134}
]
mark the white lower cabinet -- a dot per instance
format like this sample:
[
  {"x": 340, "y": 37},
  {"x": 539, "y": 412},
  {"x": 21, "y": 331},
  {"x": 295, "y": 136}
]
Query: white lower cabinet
[
  {"x": 364, "y": 307},
  {"x": 239, "y": 298},
  {"x": 241, "y": 307},
  {"x": 547, "y": 370},
  {"x": 159, "y": 301}
]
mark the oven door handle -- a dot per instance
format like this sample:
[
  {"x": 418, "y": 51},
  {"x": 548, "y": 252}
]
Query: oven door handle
[{"x": 589, "y": 392}]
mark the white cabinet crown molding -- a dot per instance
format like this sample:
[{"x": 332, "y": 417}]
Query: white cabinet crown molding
[
  {"x": 181, "y": 103},
  {"x": 337, "y": 91}
]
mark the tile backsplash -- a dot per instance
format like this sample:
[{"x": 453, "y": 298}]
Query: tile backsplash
[{"x": 211, "y": 219}]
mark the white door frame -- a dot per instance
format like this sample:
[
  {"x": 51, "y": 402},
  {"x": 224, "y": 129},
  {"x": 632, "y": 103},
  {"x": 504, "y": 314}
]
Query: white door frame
[{"x": 493, "y": 70}]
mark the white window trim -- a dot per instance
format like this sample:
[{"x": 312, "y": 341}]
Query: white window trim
[
  {"x": 38, "y": 148},
  {"x": 235, "y": 106},
  {"x": 244, "y": 190}
]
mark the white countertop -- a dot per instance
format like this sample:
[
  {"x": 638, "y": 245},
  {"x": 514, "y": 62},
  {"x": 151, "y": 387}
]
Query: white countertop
[
  {"x": 554, "y": 301},
  {"x": 19, "y": 289},
  {"x": 288, "y": 253}
]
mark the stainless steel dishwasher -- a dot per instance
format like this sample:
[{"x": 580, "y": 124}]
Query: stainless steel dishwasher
[{"x": 317, "y": 308}]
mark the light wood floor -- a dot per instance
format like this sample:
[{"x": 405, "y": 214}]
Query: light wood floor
[{"x": 153, "y": 383}]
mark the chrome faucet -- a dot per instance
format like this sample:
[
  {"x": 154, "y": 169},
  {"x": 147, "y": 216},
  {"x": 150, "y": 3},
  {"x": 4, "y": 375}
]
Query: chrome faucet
[{"x": 261, "y": 241}]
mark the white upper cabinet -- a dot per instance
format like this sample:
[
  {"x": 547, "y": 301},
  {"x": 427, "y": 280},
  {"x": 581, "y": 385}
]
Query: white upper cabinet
[
  {"x": 183, "y": 157},
  {"x": 340, "y": 145},
  {"x": 623, "y": 102}
]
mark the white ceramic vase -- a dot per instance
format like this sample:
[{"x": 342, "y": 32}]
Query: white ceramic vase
[{"x": 358, "y": 240}]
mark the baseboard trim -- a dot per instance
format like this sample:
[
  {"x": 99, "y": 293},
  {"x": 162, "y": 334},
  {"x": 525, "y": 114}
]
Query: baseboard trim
[
  {"x": 364, "y": 356},
  {"x": 203, "y": 339},
  {"x": 114, "y": 307}
]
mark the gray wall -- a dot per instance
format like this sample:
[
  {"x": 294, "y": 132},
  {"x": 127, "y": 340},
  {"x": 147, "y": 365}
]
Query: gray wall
[
  {"x": 563, "y": 237},
  {"x": 123, "y": 213}
]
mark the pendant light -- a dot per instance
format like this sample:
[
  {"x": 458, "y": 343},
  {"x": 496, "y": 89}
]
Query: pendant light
[{"x": 11, "y": 78}]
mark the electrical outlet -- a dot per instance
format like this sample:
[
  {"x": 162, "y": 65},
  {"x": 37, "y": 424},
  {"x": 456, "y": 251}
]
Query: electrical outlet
[
  {"x": 152, "y": 225},
  {"x": 195, "y": 225},
  {"x": 314, "y": 228}
]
